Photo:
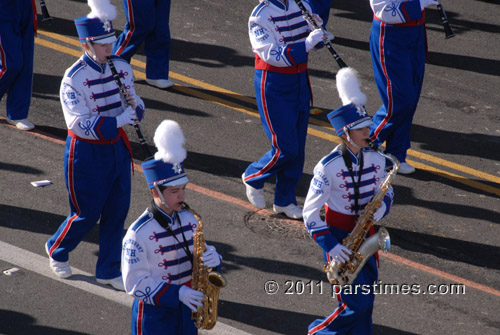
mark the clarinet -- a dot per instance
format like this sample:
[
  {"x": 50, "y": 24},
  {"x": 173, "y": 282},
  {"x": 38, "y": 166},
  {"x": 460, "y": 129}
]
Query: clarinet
[
  {"x": 45, "y": 12},
  {"x": 326, "y": 41},
  {"x": 444, "y": 19},
  {"x": 142, "y": 141}
]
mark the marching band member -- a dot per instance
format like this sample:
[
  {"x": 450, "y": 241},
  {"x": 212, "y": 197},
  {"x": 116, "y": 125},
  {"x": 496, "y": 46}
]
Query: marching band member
[
  {"x": 281, "y": 40},
  {"x": 148, "y": 22},
  {"x": 398, "y": 47},
  {"x": 157, "y": 251},
  {"x": 18, "y": 24},
  {"x": 97, "y": 158},
  {"x": 344, "y": 182}
]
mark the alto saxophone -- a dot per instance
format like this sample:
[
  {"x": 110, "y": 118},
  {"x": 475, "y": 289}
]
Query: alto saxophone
[
  {"x": 204, "y": 280},
  {"x": 346, "y": 273}
]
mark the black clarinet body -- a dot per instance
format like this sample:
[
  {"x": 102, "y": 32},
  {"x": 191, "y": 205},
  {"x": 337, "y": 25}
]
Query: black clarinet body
[
  {"x": 444, "y": 19},
  {"x": 327, "y": 42},
  {"x": 45, "y": 12},
  {"x": 137, "y": 128}
]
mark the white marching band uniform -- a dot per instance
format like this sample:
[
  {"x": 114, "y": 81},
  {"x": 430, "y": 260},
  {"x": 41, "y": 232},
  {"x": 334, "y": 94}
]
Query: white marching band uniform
[
  {"x": 155, "y": 266},
  {"x": 154, "y": 262},
  {"x": 91, "y": 99}
]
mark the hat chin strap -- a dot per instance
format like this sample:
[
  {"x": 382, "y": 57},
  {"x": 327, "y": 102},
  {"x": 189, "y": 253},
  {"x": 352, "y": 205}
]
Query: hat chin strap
[
  {"x": 89, "y": 44},
  {"x": 160, "y": 195},
  {"x": 351, "y": 142}
]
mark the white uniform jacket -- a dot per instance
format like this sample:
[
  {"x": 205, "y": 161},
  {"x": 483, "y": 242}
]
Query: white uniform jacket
[
  {"x": 332, "y": 185},
  {"x": 396, "y": 12},
  {"x": 154, "y": 263},
  {"x": 277, "y": 32},
  {"x": 91, "y": 99}
]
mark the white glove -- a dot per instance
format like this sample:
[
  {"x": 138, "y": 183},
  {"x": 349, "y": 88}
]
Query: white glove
[
  {"x": 316, "y": 18},
  {"x": 379, "y": 213},
  {"x": 314, "y": 38},
  {"x": 191, "y": 298},
  {"x": 330, "y": 36},
  {"x": 127, "y": 117},
  {"x": 210, "y": 257},
  {"x": 340, "y": 253},
  {"x": 427, "y": 3}
]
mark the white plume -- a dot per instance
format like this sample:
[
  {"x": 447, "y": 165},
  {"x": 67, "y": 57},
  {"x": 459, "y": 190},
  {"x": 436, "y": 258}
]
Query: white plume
[
  {"x": 349, "y": 87},
  {"x": 169, "y": 141},
  {"x": 102, "y": 9}
]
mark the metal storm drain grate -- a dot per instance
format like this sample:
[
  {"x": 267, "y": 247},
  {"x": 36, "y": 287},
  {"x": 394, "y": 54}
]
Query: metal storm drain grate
[{"x": 275, "y": 225}]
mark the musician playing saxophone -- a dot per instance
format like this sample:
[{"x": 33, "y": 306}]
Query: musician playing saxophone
[
  {"x": 158, "y": 247},
  {"x": 344, "y": 182}
]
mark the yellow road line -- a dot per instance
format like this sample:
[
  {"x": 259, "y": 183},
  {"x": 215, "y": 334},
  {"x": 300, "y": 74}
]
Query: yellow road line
[{"x": 328, "y": 135}]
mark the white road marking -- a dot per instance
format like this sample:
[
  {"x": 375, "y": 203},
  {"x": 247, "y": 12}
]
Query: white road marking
[{"x": 84, "y": 281}]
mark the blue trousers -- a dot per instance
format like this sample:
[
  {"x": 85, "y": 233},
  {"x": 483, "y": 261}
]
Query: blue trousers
[
  {"x": 283, "y": 101},
  {"x": 99, "y": 182},
  {"x": 353, "y": 313},
  {"x": 148, "y": 22},
  {"x": 153, "y": 320},
  {"x": 398, "y": 58},
  {"x": 17, "y": 41}
]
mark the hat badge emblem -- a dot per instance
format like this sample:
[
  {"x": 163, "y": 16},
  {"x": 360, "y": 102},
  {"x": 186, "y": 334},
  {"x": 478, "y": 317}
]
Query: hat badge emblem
[
  {"x": 107, "y": 26},
  {"x": 361, "y": 111},
  {"x": 177, "y": 168}
]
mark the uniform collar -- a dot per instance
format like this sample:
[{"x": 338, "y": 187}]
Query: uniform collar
[
  {"x": 355, "y": 159},
  {"x": 169, "y": 218},
  {"x": 101, "y": 68},
  {"x": 280, "y": 4}
]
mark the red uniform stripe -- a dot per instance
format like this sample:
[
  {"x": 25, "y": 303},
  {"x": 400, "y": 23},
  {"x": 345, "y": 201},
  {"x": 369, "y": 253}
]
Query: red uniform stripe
[
  {"x": 140, "y": 314},
  {"x": 328, "y": 320},
  {"x": 388, "y": 85},
  {"x": 274, "y": 139},
  {"x": 132, "y": 28},
  {"x": 3, "y": 64},
  {"x": 72, "y": 195},
  {"x": 158, "y": 296}
]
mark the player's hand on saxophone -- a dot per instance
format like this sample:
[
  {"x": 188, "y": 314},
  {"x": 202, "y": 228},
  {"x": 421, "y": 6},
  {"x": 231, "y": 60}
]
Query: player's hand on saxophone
[
  {"x": 379, "y": 213},
  {"x": 191, "y": 298},
  {"x": 211, "y": 258},
  {"x": 340, "y": 253}
]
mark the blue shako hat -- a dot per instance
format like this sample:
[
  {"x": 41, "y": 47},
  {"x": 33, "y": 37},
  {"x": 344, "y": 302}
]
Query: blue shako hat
[
  {"x": 164, "y": 174},
  {"x": 95, "y": 30},
  {"x": 349, "y": 116},
  {"x": 352, "y": 115},
  {"x": 96, "y": 26},
  {"x": 166, "y": 168}
]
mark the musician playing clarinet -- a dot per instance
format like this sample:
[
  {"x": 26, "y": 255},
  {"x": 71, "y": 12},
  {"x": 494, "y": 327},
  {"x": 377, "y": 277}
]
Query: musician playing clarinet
[
  {"x": 344, "y": 182},
  {"x": 281, "y": 40},
  {"x": 398, "y": 47},
  {"x": 97, "y": 158}
]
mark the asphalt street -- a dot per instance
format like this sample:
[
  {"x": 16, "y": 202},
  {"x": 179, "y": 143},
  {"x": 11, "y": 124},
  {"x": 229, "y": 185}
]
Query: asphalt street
[{"x": 442, "y": 275}]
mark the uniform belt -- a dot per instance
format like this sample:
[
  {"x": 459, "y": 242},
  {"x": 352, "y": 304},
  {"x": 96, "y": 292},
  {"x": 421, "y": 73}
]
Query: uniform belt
[
  {"x": 122, "y": 135},
  {"x": 262, "y": 65},
  {"x": 342, "y": 221}
]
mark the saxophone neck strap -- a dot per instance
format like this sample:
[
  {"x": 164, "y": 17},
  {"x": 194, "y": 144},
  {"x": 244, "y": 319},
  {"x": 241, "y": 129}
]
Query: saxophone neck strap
[
  {"x": 355, "y": 184},
  {"x": 163, "y": 222}
]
